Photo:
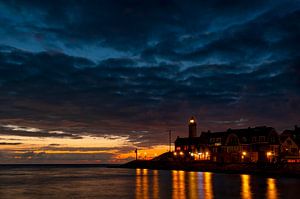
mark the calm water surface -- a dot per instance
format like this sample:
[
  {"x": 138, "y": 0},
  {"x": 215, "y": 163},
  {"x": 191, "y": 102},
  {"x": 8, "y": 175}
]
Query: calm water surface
[{"x": 68, "y": 182}]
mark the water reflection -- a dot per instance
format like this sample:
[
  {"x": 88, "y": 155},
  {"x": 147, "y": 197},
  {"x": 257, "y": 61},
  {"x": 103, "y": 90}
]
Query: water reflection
[
  {"x": 207, "y": 185},
  {"x": 183, "y": 185},
  {"x": 193, "y": 182},
  {"x": 192, "y": 185},
  {"x": 178, "y": 184},
  {"x": 108, "y": 183},
  {"x": 271, "y": 189},
  {"x": 142, "y": 185},
  {"x": 147, "y": 184},
  {"x": 245, "y": 187},
  {"x": 155, "y": 185}
]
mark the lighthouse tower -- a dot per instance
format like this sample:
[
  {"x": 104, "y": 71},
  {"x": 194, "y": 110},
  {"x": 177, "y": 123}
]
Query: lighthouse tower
[{"x": 192, "y": 127}]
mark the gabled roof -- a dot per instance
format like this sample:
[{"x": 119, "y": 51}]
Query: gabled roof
[{"x": 294, "y": 134}]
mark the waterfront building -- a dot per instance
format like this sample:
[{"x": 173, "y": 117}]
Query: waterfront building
[
  {"x": 290, "y": 145},
  {"x": 258, "y": 144}
]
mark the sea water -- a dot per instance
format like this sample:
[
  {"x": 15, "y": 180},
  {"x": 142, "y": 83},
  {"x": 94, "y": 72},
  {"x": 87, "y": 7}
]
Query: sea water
[{"x": 113, "y": 183}]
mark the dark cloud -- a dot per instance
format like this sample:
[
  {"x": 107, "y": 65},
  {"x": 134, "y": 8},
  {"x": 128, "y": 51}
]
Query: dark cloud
[{"x": 127, "y": 24}]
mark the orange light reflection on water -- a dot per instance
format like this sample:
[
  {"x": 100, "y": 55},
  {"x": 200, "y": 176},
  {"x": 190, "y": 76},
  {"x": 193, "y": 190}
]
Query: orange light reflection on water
[
  {"x": 207, "y": 185},
  {"x": 155, "y": 185},
  {"x": 271, "y": 189},
  {"x": 245, "y": 187},
  {"x": 142, "y": 184},
  {"x": 178, "y": 185},
  {"x": 184, "y": 185},
  {"x": 193, "y": 182}
]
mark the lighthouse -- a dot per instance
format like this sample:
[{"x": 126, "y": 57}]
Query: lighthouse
[{"x": 192, "y": 127}]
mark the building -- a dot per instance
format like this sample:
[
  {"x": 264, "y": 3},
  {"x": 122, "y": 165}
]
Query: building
[
  {"x": 290, "y": 145},
  {"x": 258, "y": 144},
  {"x": 192, "y": 147}
]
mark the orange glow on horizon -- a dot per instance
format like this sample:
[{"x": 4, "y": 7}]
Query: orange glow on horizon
[{"x": 17, "y": 148}]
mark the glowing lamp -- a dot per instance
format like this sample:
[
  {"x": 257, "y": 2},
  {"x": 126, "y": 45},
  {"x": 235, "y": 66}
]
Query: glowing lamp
[
  {"x": 181, "y": 153},
  {"x": 192, "y": 121},
  {"x": 174, "y": 153},
  {"x": 244, "y": 153}
]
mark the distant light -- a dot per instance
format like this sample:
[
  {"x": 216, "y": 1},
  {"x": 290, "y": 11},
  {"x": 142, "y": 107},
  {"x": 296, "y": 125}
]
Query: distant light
[
  {"x": 181, "y": 153},
  {"x": 206, "y": 153},
  {"x": 244, "y": 153},
  {"x": 269, "y": 153},
  {"x": 192, "y": 154},
  {"x": 192, "y": 121},
  {"x": 174, "y": 153}
]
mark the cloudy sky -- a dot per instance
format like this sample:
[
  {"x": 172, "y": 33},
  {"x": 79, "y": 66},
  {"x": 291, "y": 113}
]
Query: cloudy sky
[{"x": 89, "y": 81}]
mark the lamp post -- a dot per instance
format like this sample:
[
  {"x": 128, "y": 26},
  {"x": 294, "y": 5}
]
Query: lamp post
[
  {"x": 136, "y": 154},
  {"x": 170, "y": 139}
]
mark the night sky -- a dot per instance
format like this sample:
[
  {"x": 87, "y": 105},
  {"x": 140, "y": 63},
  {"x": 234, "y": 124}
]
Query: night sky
[{"x": 89, "y": 81}]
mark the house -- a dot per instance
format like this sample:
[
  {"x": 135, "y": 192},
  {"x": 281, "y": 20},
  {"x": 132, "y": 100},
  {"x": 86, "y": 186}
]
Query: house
[{"x": 290, "y": 145}]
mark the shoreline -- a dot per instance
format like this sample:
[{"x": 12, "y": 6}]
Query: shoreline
[{"x": 292, "y": 171}]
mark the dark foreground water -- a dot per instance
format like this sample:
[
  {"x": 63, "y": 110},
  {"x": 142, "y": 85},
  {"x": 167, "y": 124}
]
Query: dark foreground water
[{"x": 92, "y": 182}]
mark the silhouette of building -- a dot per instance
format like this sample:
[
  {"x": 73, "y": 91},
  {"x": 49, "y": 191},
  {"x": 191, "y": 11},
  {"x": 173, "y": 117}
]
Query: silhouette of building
[{"x": 258, "y": 144}]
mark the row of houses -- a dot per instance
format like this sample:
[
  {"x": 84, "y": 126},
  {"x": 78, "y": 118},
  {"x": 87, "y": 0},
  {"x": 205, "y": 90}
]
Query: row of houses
[{"x": 258, "y": 144}]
